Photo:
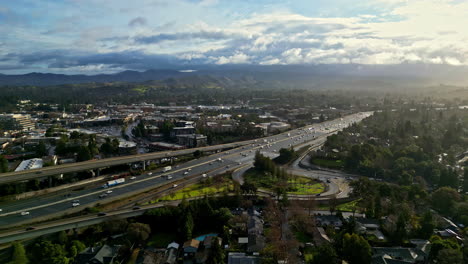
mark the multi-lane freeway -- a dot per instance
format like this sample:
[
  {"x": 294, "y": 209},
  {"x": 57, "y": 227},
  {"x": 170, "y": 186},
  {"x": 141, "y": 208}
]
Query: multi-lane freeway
[
  {"x": 17, "y": 176},
  {"x": 43, "y": 208}
]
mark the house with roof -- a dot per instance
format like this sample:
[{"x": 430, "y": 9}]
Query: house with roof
[
  {"x": 368, "y": 226},
  {"x": 170, "y": 255},
  {"x": 329, "y": 220},
  {"x": 242, "y": 258},
  {"x": 255, "y": 225},
  {"x": 394, "y": 255},
  {"x": 191, "y": 246},
  {"x": 98, "y": 255}
]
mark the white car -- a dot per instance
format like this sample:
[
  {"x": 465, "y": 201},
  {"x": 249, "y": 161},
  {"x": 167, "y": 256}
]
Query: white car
[
  {"x": 25, "y": 213},
  {"x": 169, "y": 177},
  {"x": 75, "y": 204},
  {"x": 204, "y": 175},
  {"x": 175, "y": 185},
  {"x": 1, "y": 210},
  {"x": 133, "y": 177},
  {"x": 150, "y": 173},
  {"x": 185, "y": 173},
  {"x": 109, "y": 191}
]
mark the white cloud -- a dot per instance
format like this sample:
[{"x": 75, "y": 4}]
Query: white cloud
[
  {"x": 416, "y": 31},
  {"x": 238, "y": 58}
]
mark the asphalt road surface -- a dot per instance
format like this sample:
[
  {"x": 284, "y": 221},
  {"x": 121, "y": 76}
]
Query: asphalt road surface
[{"x": 53, "y": 205}]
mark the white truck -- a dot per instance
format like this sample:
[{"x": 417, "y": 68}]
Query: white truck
[{"x": 167, "y": 168}]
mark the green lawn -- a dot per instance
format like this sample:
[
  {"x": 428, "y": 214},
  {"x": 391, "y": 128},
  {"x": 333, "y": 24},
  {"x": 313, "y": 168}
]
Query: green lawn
[
  {"x": 297, "y": 185},
  {"x": 336, "y": 164},
  {"x": 305, "y": 186},
  {"x": 344, "y": 207},
  {"x": 197, "y": 190}
]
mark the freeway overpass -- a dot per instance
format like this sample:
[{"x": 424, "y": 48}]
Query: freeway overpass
[
  {"x": 54, "y": 206},
  {"x": 25, "y": 175}
]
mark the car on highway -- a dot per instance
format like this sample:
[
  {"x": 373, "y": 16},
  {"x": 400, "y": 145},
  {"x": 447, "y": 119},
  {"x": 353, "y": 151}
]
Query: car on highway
[
  {"x": 109, "y": 191},
  {"x": 185, "y": 173},
  {"x": 204, "y": 175},
  {"x": 1, "y": 210},
  {"x": 136, "y": 208},
  {"x": 76, "y": 201},
  {"x": 174, "y": 186},
  {"x": 29, "y": 228},
  {"x": 75, "y": 204},
  {"x": 101, "y": 214},
  {"x": 133, "y": 177},
  {"x": 25, "y": 213},
  {"x": 103, "y": 195},
  {"x": 150, "y": 173}
]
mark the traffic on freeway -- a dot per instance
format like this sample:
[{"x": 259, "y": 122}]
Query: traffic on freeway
[{"x": 41, "y": 208}]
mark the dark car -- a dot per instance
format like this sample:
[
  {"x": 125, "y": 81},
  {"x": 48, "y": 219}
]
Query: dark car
[
  {"x": 101, "y": 214},
  {"x": 29, "y": 228},
  {"x": 136, "y": 208}
]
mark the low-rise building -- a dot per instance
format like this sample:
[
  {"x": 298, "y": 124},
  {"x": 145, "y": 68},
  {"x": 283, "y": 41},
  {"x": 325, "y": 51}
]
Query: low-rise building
[
  {"x": 176, "y": 131},
  {"x": 16, "y": 122},
  {"x": 192, "y": 140},
  {"x": 242, "y": 258},
  {"x": 30, "y": 164},
  {"x": 171, "y": 253},
  {"x": 191, "y": 246},
  {"x": 98, "y": 255},
  {"x": 161, "y": 146},
  {"x": 127, "y": 147}
]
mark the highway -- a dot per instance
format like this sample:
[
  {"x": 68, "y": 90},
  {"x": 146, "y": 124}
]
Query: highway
[
  {"x": 17, "y": 176},
  {"x": 44, "y": 208}
]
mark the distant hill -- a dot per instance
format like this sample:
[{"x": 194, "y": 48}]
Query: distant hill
[
  {"x": 286, "y": 76},
  {"x": 46, "y": 79}
]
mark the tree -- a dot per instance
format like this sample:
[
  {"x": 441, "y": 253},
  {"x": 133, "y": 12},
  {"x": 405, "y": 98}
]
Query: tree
[
  {"x": 138, "y": 232},
  {"x": 356, "y": 250},
  {"x": 3, "y": 164},
  {"x": 427, "y": 225},
  {"x": 188, "y": 226},
  {"x": 465, "y": 180},
  {"x": 41, "y": 149},
  {"x": 84, "y": 154},
  {"x": 449, "y": 256},
  {"x": 62, "y": 237},
  {"x": 217, "y": 254},
  {"x": 47, "y": 252},
  {"x": 325, "y": 254},
  {"x": 444, "y": 199},
  {"x": 76, "y": 247},
  {"x": 19, "y": 254}
]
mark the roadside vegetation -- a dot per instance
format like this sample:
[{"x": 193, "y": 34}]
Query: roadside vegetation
[{"x": 206, "y": 187}]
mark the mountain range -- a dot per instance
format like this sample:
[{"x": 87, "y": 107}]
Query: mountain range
[{"x": 287, "y": 74}]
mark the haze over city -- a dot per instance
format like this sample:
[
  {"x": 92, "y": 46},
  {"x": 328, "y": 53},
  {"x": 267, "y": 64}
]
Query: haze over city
[{"x": 233, "y": 132}]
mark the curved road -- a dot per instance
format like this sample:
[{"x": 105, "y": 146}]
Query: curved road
[{"x": 47, "y": 207}]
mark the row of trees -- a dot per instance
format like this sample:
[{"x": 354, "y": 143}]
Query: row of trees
[{"x": 405, "y": 146}]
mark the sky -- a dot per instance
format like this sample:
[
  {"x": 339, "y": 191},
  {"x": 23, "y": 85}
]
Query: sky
[{"x": 106, "y": 36}]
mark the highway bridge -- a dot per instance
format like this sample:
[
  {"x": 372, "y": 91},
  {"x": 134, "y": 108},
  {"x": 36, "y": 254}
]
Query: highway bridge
[
  {"x": 55, "y": 206},
  {"x": 25, "y": 175}
]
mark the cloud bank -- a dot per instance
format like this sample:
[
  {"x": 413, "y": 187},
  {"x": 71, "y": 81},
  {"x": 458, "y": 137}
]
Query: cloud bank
[{"x": 187, "y": 32}]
